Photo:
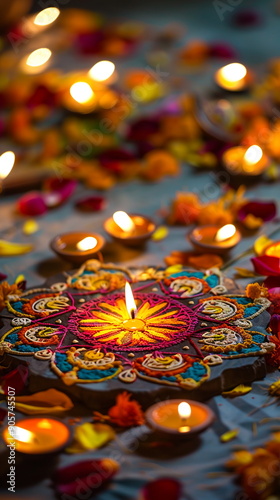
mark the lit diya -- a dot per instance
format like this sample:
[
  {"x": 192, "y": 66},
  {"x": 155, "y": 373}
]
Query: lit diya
[
  {"x": 36, "y": 62},
  {"x": 37, "y": 436},
  {"x": 123, "y": 321},
  {"x": 247, "y": 162},
  {"x": 131, "y": 230},
  {"x": 77, "y": 247},
  {"x": 233, "y": 77},
  {"x": 179, "y": 419},
  {"x": 215, "y": 239},
  {"x": 7, "y": 161},
  {"x": 273, "y": 249}
]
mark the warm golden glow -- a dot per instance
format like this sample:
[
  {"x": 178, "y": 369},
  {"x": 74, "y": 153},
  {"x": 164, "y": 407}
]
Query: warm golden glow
[
  {"x": 81, "y": 92},
  {"x": 225, "y": 232},
  {"x": 233, "y": 72},
  {"x": 129, "y": 301},
  {"x": 22, "y": 435},
  {"x": 102, "y": 70},
  {"x": 44, "y": 424},
  {"x": 184, "y": 410},
  {"x": 253, "y": 155},
  {"x": 38, "y": 57},
  {"x": 7, "y": 161},
  {"x": 87, "y": 243},
  {"x": 46, "y": 16},
  {"x": 123, "y": 220}
]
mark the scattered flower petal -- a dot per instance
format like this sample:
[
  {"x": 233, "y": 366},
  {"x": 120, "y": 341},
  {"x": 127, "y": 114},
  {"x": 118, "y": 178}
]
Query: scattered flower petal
[
  {"x": 266, "y": 265},
  {"x": 229, "y": 435},
  {"x": 261, "y": 244},
  {"x": 50, "y": 401},
  {"x": 91, "y": 204},
  {"x": 92, "y": 475},
  {"x": 17, "y": 378},
  {"x": 90, "y": 436},
  {"x": 32, "y": 203},
  {"x": 167, "y": 488},
  {"x": 30, "y": 227},
  {"x": 8, "y": 248},
  {"x": 239, "y": 390},
  {"x": 160, "y": 233},
  {"x": 264, "y": 210}
]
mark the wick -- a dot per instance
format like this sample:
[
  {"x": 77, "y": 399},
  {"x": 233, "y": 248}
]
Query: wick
[{"x": 132, "y": 314}]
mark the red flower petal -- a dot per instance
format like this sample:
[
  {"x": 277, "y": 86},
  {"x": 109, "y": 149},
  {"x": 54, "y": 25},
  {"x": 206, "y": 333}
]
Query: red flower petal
[
  {"x": 275, "y": 324},
  {"x": 266, "y": 265},
  {"x": 222, "y": 50},
  {"x": 265, "y": 210},
  {"x": 82, "y": 479},
  {"x": 16, "y": 378},
  {"x": 165, "y": 488},
  {"x": 247, "y": 18},
  {"x": 91, "y": 204},
  {"x": 3, "y": 276},
  {"x": 32, "y": 203},
  {"x": 142, "y": 129},
  {"x": 273, "y": 282}
]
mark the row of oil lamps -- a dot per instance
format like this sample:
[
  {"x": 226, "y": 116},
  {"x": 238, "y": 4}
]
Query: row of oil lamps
[
  {"x": 134, "y": 230},
  {"x": 168, "y": 419}
]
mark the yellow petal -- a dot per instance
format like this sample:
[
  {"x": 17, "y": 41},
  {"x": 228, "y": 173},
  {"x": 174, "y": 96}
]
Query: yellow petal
[
  {"x": 245, "y": 273},
  {"x": 229, "y": 435},
  {"x": 239, "y": 390},
  {"x": 173, "y": 269},
  {"x": 261, "y": 244},
  {"x": 30, "y": 227},
  {"x": 90, "y": 436},
  {"x": 7, "y": 248},
  {"x": 50, "y": 402},
  {"x": 160, "y": 233},
  {"x": 19, "y": 279}
]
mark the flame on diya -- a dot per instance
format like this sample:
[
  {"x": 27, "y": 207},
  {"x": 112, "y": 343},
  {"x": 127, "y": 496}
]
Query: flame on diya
[{"x": 145, "y": 321}]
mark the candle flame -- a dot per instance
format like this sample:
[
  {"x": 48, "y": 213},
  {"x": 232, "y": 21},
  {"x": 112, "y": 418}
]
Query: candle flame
[
  {"x": 87, "y": 243},
  {"x": 184, "y": 410},
  {"x": 123, "y": 220},
  {"x": 46, "y": 16},
  {"x": 129, "y": 301},
  {"x": 253, "y": 154},
  {"x": 38, "y": 57},
  {"x": 7, "y": 161},
  {"x": 233, "y": 72},
  {"x": 21, "y": 434},
  {"x": 81, "y": 92},
  {"x": 102, "y": 70},
  {"x": 225, "y": 232}
]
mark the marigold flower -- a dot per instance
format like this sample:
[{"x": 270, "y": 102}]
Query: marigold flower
[
  {"x": 254, "y": 291},
  {"x": 5, "y": 291},
  {"x": 159, "y": 163},
  {"x": 126, "y": 413},
  {"x": 185, "y": 209}
]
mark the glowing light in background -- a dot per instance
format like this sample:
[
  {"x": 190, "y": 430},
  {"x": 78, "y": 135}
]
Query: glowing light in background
[
  {"x": 102, "y": 70},
  {"x": 81, "y": 92},
  {"x": 46, "y": 16}
]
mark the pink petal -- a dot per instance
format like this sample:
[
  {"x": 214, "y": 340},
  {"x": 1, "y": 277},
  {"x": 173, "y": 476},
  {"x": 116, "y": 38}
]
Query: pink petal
[
  {"x": 58, "y": 190},
  {"x": 91, "y": 204},
  {"x": 165, "y": 488},
  {"x": 32, "y": 203},
  {"x": 266, "y": 265},
  {"x": 265, "y": 210}
]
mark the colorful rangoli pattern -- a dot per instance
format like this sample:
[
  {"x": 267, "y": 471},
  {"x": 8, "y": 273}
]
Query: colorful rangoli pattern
[{"x": 185, "y": 323}]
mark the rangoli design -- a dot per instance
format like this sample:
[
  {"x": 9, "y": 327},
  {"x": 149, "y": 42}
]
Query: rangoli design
[{"x": 185, "y": 323}]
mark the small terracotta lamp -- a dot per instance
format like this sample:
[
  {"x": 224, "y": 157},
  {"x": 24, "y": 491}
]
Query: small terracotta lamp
[
  {"x": 132, "y": 230},
  {"x": 214, "y": 239},
  {"x": 181, "y": 419},
  {"x": 77, "y": 247},
  {"x": 233, "y": 77}
]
